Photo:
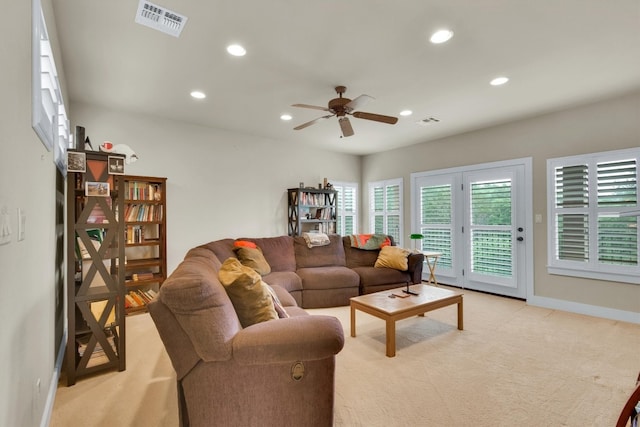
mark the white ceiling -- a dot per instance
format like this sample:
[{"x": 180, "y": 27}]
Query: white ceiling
[{"x": 557, "y": 53}]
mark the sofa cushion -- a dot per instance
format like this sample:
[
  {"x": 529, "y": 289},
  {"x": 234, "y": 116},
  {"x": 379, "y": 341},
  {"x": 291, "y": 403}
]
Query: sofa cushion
[
  {"x": 282, "y": 313},
  {"x": 319, "y": 256},
  {"x": 331, "y": 277},
  {"x": 223, "y": 248},
  {"x": 253, "y": 257},
  {"x": 249, "y": 294},
  {"x": 278, "y": 251},
  {"x": 393, "y": 257}
]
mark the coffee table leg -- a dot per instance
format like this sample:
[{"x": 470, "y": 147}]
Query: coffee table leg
[
  {"x": 391, "y": 338},
  {"x": 460, "y": 319},
  {"x": 353, "y": 321}
]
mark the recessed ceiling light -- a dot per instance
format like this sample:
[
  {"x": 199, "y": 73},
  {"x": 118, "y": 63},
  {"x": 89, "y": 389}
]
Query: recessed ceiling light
[
  {"x": 406, "y": 112},
  {"x": 441, "y": 36},
  {"x": 198, "y": 95},
  {"x": 236, "y": 50},
  {"x": 499, "y": 81},
  {"x": 285, "y": 117}
]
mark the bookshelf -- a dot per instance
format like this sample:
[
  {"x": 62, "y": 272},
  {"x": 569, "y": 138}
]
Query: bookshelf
[
  {"x": 311, "y": 210},
  {"x": 95, "y": 309},
  {"x": 145, "y": 239}
]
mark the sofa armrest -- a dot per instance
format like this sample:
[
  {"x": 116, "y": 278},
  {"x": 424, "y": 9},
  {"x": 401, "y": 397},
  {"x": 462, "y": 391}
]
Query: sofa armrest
[
  {"x": 291, "y": 339},
  {"x": 416, "y": 263}
]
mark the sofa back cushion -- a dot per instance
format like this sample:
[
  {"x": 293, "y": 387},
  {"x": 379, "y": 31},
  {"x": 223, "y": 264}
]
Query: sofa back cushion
[
  {"x": 222, "y": 248},
  {"x": 319, "y": 256},
  {"x": 359, "y": 257},
  {"x": 201, "y": 305},
  {"x": 277, "y": 251}
]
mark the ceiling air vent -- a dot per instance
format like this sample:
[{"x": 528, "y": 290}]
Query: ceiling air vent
[
  {"x": 428, "y": 121},
  {"x": 160, "y": 18}
]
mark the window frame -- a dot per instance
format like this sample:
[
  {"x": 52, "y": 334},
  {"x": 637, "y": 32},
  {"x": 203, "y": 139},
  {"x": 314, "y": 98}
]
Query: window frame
[
  {"x": 385, "y": 212},
  {"x": 592, "y": 268},
  {"x": 341, "y": 214}
]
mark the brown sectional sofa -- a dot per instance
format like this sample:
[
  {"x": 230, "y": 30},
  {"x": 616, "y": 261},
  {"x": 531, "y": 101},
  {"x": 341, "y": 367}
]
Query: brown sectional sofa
[
  {"x": 273, "y": 373},
  {"x": 324, "y": 276}
]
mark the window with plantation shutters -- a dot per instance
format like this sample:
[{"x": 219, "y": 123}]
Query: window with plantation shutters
[
  {"x": 593, "y": 216},
  {"x": 436, "y": 218},
  {"x": 385, "y": 212},
  {"x": 347, "y": 207}
]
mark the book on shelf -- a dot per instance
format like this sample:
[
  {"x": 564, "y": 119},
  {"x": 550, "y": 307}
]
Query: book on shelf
[{"x": 143, "y": 191}]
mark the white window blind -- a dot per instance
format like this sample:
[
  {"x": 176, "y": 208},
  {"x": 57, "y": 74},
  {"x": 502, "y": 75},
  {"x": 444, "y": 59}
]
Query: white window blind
[
  {"x": 592, "y": 226},
  {"x": 385, "y": 208},
  {"x": 347, "y": 209}
]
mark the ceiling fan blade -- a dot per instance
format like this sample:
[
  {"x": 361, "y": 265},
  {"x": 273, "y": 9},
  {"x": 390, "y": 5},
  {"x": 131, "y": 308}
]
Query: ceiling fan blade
[
  {"x": 375, "y": 117},
  {"x": 345, "y": 126},
  {"x": 307, "y": 124},
  {"x": 313, "y": 107},
  {"x": 358, "y": 103}
]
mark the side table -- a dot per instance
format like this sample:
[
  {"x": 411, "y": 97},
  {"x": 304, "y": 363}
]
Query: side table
[{"x": 432, "y": 259}]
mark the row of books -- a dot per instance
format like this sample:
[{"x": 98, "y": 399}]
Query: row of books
[
  {"x": 312, "y": 199},
  {"x": 142, "y": 191},
  {"x": 139, "y": 298},
  {"x": 320, "y": 213},
  {"x": 135, "y": 234},
  {"x": 142, "y": 213}
]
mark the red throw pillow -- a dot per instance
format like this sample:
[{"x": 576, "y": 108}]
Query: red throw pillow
[{"x": 244, "y": 244}]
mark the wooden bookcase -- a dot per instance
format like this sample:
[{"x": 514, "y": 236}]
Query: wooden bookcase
[
  {"x": 145, "y": 239},
  {"x": 311, "y": 210},
  {"x": 95, "y": 250}
]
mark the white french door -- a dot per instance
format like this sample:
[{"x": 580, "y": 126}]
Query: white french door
[{"x": 479, "y": 219}]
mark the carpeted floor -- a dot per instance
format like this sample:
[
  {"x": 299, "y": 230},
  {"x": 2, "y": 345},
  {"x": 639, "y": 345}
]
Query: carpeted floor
[{"x": 512, "y": 365}]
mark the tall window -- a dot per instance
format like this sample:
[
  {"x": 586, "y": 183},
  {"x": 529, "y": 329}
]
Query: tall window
[
  {"x": 347, "y": 209},
  {"x": 385, "y": 208},
  {"x": 593, "y": 222}
]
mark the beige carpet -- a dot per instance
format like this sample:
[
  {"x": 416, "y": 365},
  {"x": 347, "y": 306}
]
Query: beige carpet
[{"x": 512, "y": 365}]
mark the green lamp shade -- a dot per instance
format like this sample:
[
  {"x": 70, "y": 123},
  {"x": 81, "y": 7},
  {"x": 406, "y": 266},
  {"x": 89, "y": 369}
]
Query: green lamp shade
[{"x": 416, "y": 236}]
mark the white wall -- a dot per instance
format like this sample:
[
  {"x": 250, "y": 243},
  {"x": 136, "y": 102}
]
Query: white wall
[
  {"x": 602, "y": 126},
  {"x": 220, "y": 184},
  {"x": 27, "y": 181}
]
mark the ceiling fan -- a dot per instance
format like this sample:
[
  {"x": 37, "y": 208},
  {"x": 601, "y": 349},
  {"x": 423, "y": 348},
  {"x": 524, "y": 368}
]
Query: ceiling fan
[{"x": 341, "y": 107}]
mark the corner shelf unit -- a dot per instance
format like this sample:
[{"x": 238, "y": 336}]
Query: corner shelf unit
[
  {"x": 311, "y": 210},
  {"x": 95, "y": 250},
  {"x": 145, "y": 239}
]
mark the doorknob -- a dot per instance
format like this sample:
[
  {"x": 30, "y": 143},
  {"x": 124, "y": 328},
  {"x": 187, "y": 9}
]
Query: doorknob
[
  {"x": 520, "y": 229},
  {"x": 520, "y": 239}
]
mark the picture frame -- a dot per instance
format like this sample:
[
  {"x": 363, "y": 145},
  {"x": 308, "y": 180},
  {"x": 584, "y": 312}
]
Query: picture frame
[
  {"x": 76, "y": 162},
  {"x": 115, "y": 165},
  {"x": 97, "y": 189}
]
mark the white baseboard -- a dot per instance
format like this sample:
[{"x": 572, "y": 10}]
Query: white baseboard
[
  {"x": 53, "y": 385},
  {"x": 590, "y": 310}
]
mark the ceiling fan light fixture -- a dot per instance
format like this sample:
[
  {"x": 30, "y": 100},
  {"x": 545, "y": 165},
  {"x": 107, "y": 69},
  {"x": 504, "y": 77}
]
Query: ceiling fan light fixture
[
  {"x": 236, "y": 50},
  {"x": 345, "y": 126},
  {"x": 406, "y": 113},
  {"x": 441, "y": 36},
  {"x": 286, "y": 117}
]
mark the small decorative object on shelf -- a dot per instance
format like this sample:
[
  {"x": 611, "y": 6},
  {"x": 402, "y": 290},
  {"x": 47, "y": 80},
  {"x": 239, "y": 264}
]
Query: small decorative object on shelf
[
  {"x": 146, "y": 246},
  {"x": 95, "y": 251},
  {"x": 311, "y": 209}
]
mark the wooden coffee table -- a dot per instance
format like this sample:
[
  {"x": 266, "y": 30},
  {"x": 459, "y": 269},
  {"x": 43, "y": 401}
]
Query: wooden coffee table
[{"x": 391, "y": 309}]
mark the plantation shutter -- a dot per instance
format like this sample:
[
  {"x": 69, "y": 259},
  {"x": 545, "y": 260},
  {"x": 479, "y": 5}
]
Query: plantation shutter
[
  {"x": 385, "y": 198},
  {"x": 572, "y": 194},
  {"x": 617, "y": 236},
  {"x": 435, "y": 213},
  {"x": 491, "y": 236},
  {"x": 347, "y": 208}
]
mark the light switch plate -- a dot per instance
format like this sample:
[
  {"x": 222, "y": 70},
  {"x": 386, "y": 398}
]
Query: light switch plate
[
  {"x": 22, "y": 219},
  {"x": 5, "y": 226}
]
